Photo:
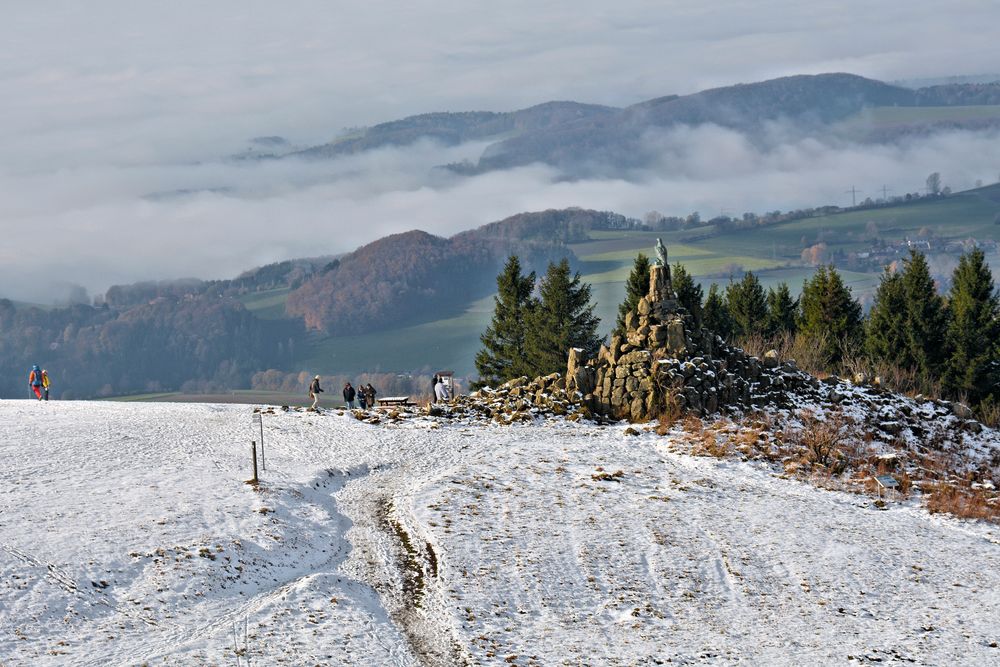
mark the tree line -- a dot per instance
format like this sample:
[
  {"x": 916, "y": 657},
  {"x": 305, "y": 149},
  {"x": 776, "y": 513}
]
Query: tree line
[
  {"x": 914, "y": 338},
  {"x": 198, "y": 343},
  {"x": 531, "y": 334}
]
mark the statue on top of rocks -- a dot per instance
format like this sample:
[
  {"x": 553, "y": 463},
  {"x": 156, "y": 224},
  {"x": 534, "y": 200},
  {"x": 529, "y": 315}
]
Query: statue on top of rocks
[{"x": 661, "y": 253}]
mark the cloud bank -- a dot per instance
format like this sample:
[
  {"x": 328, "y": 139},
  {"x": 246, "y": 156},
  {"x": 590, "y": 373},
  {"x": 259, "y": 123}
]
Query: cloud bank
[{"x": 108, "y": 103}]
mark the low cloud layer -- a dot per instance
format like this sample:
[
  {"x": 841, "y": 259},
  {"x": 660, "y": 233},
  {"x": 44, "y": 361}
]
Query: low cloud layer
[
  {"x": 99, "y": 226},
  {"x": 107, "y": 103}
]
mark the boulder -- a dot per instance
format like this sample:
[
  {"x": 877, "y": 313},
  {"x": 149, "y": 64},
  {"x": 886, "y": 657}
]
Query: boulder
[
  {"x": 771, "y": 359},
  {"x": 961, "y": 410},
  {"x": 676, "y": 341}
]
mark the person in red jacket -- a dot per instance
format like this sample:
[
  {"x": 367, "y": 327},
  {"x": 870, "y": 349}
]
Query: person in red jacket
[{"x": 35, "y": 381}]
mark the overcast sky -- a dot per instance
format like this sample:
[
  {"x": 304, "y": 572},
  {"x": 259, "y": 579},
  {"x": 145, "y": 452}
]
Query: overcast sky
[{"x": 105, "y": 103}]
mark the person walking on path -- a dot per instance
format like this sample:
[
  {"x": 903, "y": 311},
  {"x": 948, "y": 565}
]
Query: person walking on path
[
  {"x": 349, "y": 394},
  {"x": 314, "y": 391},
  {"x": 362, "y": 403},
  {"x": 45, "y": 383},
  {"x": 370, "y": 395},
  {"x": 35, "y": 381},
  {"x": 434, "y": 387}
]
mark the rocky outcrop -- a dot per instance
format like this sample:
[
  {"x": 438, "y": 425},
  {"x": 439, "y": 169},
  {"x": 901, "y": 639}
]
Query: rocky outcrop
[{"x": 664, "y": 360}]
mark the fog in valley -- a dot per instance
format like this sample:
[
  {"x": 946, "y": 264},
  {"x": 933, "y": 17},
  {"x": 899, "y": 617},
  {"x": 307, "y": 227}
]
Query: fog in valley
[{"x": 126, "y": 130}]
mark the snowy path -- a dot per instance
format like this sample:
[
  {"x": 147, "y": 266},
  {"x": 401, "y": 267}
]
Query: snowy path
[{"x": 127, "y": 535}]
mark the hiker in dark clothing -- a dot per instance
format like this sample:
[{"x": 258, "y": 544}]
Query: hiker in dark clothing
[
  {"x": 362, "y": 403},
  {"x": 349, "y": 395},
  {"x": 314, "y": 391},
  {"x": 370, "y": 395},
  {"x": 434, "y": 384}
]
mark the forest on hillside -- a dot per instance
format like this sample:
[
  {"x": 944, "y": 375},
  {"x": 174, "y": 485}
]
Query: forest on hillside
[{"x": 416, "y": 276}]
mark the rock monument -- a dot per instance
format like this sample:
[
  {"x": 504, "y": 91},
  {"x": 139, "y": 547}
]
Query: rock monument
[{"x": 666, "y": 357}]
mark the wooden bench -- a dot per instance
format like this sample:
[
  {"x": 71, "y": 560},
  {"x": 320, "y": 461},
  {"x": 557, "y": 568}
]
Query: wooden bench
[{"x": 393, "y": 401}]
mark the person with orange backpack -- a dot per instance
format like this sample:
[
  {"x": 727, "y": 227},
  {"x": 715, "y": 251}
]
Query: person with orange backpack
[{"x": 35, "y": 381}]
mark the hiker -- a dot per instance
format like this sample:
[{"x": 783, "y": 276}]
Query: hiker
[
  {"x": 35, "y": 381},
  {"x": 370, "y": 395},
  {"x": 349, "y": 395},
  {"x": 45, "y": 383},
  {"x": 361, "y": 396},
  {"x": 441, "y": 391},
  {"x": 314, "y": 391},
  {"x": 434, "y": 387}
]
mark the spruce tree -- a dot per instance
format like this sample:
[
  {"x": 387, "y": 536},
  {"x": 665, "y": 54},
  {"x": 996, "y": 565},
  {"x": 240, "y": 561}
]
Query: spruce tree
[
  {"x": 562, "y": 318},
  {"x": 636, "y": 287},
  {"x": 502, "y": 356},
  {"x": 830, "y": 314},
  {"x": 689, "y": 293},
  {"x": 925, "y": 318},
  {"x": 973, "y": 331},
  {"x": 747, "y": 305},
  {"x": 885, "y": 331},
  {"x": 715, "y": 315},
  {"x": 781, "y": 311}
]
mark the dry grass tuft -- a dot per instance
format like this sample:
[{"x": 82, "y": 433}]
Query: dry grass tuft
[
  {"x": 670, "y": 413},
  {"x": 963, "y": 502}
]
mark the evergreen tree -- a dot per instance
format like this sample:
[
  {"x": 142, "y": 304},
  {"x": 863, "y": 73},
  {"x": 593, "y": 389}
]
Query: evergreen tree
[
  {"x": 781, "y": 311},
  {"x": 747, "y": 305},
  {"x": 973, "y": 332},
  {"x": 885, "y": 331},
  {"x": 689, "y": 293},
  {"x": 636, "y": 287},
  {"x": 715, "y": 315},
  {"x": 562, "y": 318},
  {"x": 502, "y": 356},
  {"x": 829, "y": 313},
  {"x": 925, "y": 318}
]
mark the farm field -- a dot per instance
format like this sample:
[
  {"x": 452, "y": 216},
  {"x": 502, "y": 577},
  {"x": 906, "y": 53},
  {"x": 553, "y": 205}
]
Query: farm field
[{"x": 880, "y": 117}]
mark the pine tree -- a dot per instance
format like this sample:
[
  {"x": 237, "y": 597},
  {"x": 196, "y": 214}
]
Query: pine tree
[
  {"x": 885, "y": 331},
  {"x": 502, "y": 356},
  {"x": 636, "y": 287},
  {"x": 563, "y": 318},
  {"x": 715, "y": 315},
  {"x": 829, "y": 314},
  {"x": 925, "y": 318},
  {"x": 781, "y": 311},
  {"x": 972, "y": 335},
  {"x": 747, "y": 305},
  {"x": 689, "y": 293}
]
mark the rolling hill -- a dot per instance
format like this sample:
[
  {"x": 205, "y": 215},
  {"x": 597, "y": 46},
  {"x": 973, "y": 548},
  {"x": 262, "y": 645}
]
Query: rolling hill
[
  {"x": 711, "y": 253},
  {"x": 589, "y": 140}
]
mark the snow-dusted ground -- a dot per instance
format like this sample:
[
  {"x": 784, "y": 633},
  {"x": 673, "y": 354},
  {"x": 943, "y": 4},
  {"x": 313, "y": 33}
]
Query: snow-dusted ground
[{"x": 128, "y": 536}]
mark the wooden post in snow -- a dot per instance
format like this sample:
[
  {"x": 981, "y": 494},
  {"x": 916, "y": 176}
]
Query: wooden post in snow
[
  {"x": 259, "y": 422},
  {"x": 253, "y": 454}
]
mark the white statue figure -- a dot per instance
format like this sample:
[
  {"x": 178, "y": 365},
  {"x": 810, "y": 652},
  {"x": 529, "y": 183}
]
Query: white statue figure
[{"x": 661, "y": 253}]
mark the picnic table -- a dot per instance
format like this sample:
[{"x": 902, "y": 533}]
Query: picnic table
[{"x": 394, "y": 401}]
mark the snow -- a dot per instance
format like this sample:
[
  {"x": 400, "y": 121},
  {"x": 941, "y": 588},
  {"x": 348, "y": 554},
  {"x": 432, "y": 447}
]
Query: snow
[{"x": 128, "y": 535}]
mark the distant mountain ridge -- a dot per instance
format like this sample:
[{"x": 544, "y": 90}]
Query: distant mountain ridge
[
  {"x": 451, "y": 128},
  {"x": 584, "y": 139}
]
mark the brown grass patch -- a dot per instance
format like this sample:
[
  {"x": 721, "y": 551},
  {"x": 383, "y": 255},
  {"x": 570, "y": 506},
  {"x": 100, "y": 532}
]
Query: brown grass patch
[{"x": 963, "y": 502}]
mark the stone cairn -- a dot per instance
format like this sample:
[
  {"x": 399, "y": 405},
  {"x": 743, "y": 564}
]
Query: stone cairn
[
  {"x": 663, "y": 361},
  {"x": 664, "y": 358}
]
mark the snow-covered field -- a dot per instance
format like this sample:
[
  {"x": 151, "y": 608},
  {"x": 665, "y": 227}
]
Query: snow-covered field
[{"x": 128, "y": 536}]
